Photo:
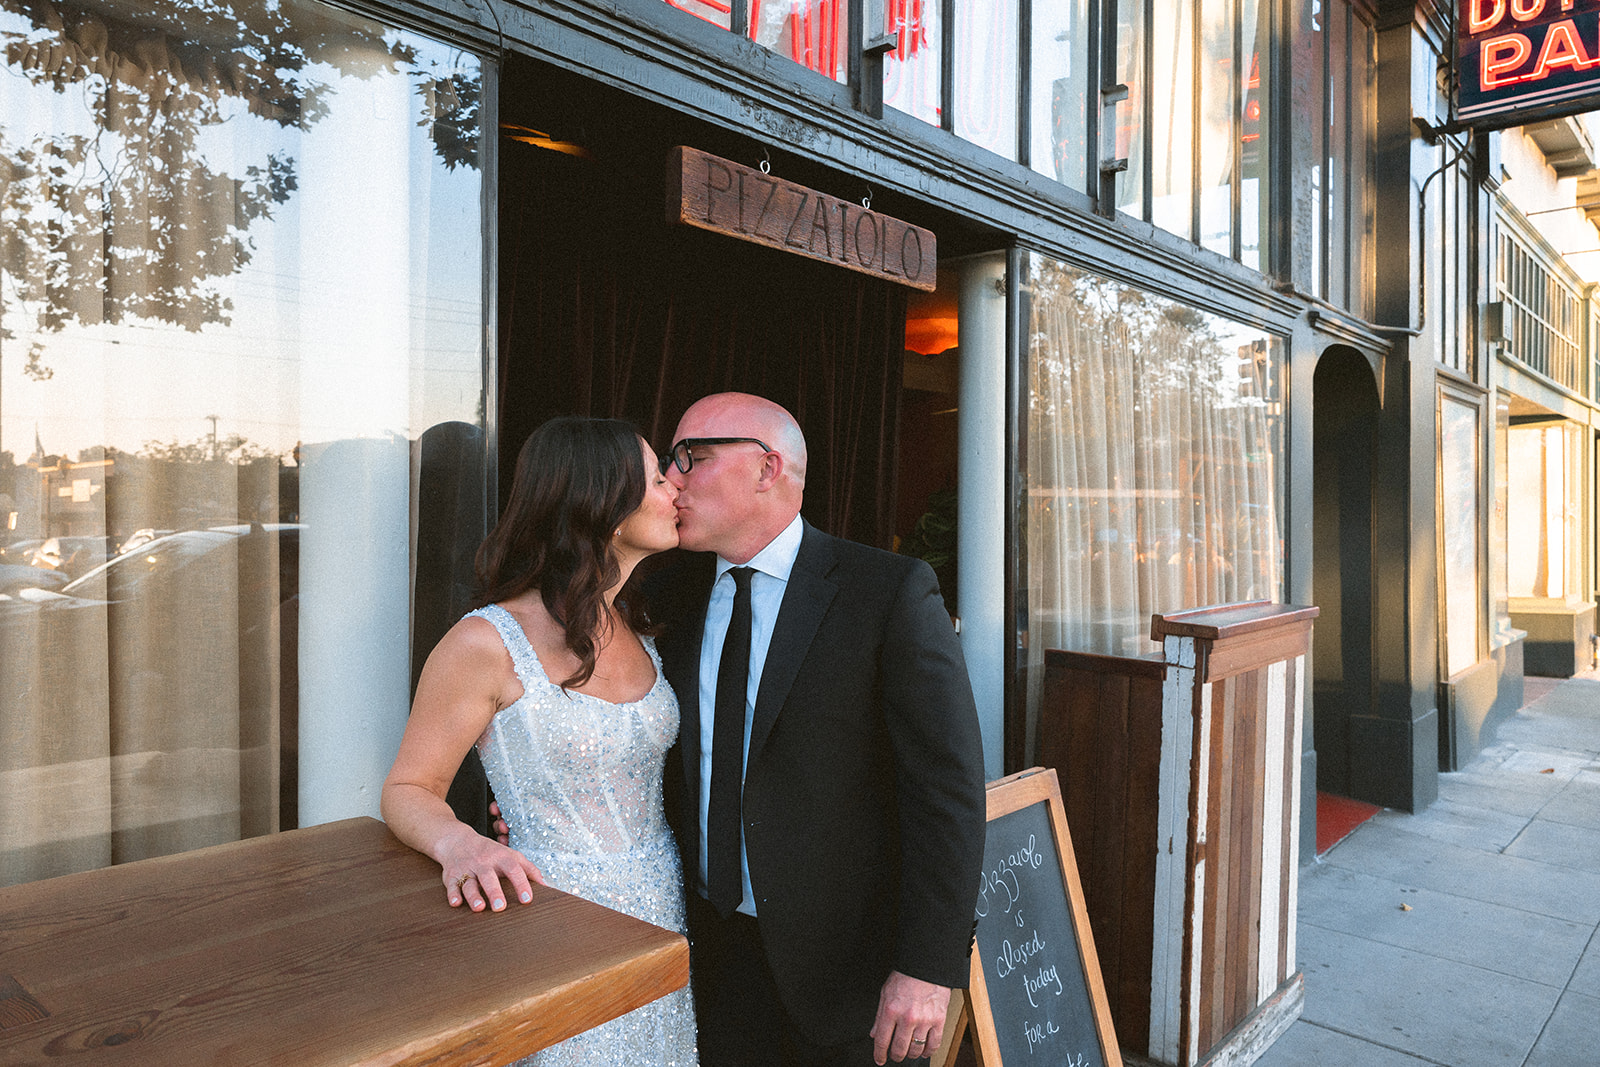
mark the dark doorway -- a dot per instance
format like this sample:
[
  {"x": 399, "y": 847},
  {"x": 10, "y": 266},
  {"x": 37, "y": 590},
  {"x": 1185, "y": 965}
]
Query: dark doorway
[
  {"x": 1345, "y": 406},
  {"x": 606, "y": 309}
]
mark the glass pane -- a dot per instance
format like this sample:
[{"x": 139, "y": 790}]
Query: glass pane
[
  {"x": 911, "y": 73},
  {"x": 716, "y": 12},
  {"x": 1217, "y": 129},
  {"x": 986, "y": 75},
  {"x": 1363, "y": 130},
  {"x": 1311, "y": 58},
  {"x": 243, "y": 280},
  {"x": 1342, "y": 66},
  {"x": 1255, "y": 199},
  {"x": 1154, "y": 462},
  {"x": 1458, "y": 507},
  {"x": 1173, "y": 99},
  {"x": 1498, "y": 543},
  {"x": 1572, "y": 510},
  {"x": 813, "y": 33},
  {"x": 1129, "y": 132},
  {"x": 1060, "y": 95},
  {"x": 1537, "y": 523}
]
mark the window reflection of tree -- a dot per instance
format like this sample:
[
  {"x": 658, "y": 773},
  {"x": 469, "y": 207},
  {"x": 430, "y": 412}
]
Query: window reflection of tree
[{"x": 134, "y": 220}]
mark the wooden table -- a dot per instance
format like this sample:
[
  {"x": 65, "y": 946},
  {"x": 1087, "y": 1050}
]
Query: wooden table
[{"x": 329, "y": 945}]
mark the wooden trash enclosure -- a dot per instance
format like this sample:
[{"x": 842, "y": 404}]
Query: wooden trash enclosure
[{"x": 1181, "y": 779}]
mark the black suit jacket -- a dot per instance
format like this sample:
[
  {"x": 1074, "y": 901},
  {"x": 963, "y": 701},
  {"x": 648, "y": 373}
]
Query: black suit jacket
[{"x": 864, "y": 794}]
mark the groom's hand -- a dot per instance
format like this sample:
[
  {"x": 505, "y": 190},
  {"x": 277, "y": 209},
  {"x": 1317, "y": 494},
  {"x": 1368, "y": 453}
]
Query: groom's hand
[{"x": 910, "y": 1019}]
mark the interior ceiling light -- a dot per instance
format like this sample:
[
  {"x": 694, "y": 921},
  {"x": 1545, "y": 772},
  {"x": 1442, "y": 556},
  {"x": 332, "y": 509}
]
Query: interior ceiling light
[{"x": 540, "y": 139}]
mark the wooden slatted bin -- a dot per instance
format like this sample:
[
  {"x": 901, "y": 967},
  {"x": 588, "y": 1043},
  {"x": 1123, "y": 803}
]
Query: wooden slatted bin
[{"x": 1181, "y": 778}]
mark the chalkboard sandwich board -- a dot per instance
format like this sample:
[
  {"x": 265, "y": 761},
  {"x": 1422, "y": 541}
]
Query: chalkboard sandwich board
[{"x": 1036, "y": 995}]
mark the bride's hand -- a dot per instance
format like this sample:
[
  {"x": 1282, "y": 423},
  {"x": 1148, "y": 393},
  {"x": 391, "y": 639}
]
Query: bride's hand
[{"x": 472, "y": 867}]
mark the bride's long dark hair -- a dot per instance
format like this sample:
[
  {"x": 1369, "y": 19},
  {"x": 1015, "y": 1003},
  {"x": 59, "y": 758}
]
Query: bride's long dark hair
[{"x": 576, "y": 480}]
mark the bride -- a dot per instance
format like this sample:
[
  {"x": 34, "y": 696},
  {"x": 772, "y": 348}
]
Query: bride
[{"x": 565, "y": 701}]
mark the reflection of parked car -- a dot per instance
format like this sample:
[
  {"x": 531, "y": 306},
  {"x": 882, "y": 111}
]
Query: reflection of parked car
[
  {"x": 142, "y": 537},
  {"x": 16, "y": 577},
  {"x": 19, "y": 552},
  {"x": 192, "y": 568},
  {"x": 72, "y": 556}
]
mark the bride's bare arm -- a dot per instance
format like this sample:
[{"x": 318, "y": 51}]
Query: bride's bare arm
[{"x": 461, "y": 687}]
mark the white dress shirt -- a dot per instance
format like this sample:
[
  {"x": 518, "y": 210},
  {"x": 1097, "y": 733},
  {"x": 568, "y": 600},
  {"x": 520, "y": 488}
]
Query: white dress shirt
[{"x": 772, "y": 565}]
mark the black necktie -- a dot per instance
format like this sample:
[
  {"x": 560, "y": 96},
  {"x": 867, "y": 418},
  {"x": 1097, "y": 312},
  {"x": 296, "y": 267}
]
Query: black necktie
[{"x": 723, "y": 881}]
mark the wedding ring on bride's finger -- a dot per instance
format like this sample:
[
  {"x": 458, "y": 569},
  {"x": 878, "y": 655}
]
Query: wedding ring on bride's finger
[{"x": 459, "y": 882}]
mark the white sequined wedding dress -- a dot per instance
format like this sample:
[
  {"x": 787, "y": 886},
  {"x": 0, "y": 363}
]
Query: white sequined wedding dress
[{"x": 579, "y": 784}]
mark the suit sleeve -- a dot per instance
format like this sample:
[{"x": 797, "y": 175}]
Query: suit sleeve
[{"x": 932, "y": 723}]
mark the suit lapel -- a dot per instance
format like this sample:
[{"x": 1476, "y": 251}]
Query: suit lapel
[{"x": 805, "y": 601}]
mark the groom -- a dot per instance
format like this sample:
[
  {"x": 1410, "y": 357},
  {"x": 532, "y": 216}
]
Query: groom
[{"x": 831, "y": 897}]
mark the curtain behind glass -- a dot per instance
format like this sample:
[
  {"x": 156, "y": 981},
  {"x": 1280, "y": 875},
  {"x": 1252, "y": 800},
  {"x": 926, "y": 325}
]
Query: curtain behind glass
[
  {"x": 1153, "y": 463},
  {"x": 236, "y": 293}
]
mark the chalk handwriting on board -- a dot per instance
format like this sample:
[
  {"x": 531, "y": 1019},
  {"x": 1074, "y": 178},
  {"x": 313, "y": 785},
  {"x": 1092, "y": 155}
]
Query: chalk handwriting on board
[{"x": 1033, "y": 970}]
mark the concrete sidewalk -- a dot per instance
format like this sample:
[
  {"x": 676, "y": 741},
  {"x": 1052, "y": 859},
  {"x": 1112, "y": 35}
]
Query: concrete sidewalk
[{"x": 1466, "y": 935}]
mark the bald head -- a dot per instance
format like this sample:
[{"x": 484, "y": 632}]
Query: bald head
[
  {"x": 747, "y": 415},
  {"x": 735, "y": 497}
]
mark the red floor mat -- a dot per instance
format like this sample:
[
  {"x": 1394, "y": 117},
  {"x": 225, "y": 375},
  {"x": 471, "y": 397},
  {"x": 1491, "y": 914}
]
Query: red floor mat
[{"x": 1337, "y": 817}]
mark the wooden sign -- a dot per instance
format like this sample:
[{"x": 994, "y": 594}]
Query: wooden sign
[
  {"x": 729, "y": 198},
  {"x": 1036, "y": 995}
]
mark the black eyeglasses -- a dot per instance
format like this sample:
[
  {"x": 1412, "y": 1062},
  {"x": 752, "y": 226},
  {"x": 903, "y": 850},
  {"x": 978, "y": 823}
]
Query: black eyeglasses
[{"x": 682, "y": 454}]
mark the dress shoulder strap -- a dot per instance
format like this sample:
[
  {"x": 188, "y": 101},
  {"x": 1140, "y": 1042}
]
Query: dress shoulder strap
[{"x": 523, "y": 658}]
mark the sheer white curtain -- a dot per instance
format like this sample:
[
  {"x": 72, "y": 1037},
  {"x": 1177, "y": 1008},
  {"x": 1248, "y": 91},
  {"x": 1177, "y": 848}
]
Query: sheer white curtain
[
  {"x": 1153, "y": 463},
  {"x": 233, "y": 294}
]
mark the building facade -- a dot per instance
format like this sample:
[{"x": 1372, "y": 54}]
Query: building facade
[{"x": 1223, "y": 312}]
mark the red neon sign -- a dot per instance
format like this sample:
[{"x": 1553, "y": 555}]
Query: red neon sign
[{"x": 1520, "y": 56}]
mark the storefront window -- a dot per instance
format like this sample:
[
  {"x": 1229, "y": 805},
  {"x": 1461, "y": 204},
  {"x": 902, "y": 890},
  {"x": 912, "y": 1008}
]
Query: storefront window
[
  {"x": 1543, "y": 529},
  {"x": 913, "y": 70},
  {"x": 716, "y": 12},
  {"x": 1310, "y": 59},
  {"x": 1172, "y": 99},
  {"x": 1459, "y": 482},
  {"x": 1218, "y": 136},
  {"x": 1498, "y": 529},
  {"x": 1154, "y": 444},
  {"x": 1339, "y": 59},
  {"x": 813, "y": 33},
  {"x": 986, "y": 67},
  {"x": 240, "y": 300},
  {"x": 1060, "y": 91},
  {"x": 1128, "y": 132},
  {"x": 1254, "y": 125}
]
